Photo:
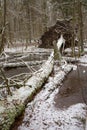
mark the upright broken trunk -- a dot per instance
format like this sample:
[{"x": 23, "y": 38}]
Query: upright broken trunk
[
  {"x": 57, "y": 54},
  {"x": 58, "y": 48},
  {"x": 14, "y": 105}
]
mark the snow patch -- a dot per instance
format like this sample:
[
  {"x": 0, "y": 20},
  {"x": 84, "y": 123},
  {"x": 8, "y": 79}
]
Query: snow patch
[{"x": 83, "y": 59}]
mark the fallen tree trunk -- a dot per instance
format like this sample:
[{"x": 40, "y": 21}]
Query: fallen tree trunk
[
  {"x": 71, "y": 59},
  {"x": 21, "y": 64},
  {"x": 14, "y": 105}
]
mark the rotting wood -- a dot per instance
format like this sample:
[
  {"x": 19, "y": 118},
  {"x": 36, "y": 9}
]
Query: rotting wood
[{"x": 14, "y": 105}]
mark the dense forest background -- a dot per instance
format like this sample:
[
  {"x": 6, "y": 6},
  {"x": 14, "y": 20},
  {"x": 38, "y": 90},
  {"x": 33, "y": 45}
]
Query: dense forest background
[{"x": 26, "y": 20}]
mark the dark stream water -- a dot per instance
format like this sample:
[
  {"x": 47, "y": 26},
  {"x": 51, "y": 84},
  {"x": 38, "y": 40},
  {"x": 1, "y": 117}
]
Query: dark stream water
[{"x": 73, "y": 90}]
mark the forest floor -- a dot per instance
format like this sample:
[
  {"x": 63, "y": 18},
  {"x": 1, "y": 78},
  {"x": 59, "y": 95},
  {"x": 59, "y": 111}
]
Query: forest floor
[{"x": 59, "y": 105}]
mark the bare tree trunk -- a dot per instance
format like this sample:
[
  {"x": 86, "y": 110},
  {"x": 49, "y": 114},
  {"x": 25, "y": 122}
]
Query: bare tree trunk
[
  {"x": 57, "y": 54},
  {"x": 10, "y": 38},
  {"x": 80, "y": 22},
  {"x": 4, "y": 24},
  {"x": 73, "y": 37},
  {"x": 2, "y": 35}
]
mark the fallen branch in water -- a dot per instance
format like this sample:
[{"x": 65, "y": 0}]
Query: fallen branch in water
[{"x": 21, "y": 64}]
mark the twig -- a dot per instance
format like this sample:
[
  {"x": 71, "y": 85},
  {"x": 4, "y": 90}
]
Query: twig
[
  {"x": 10, "y": 85},
  {"x": 6, "y": 81},
  {"x": 30, "y": 68},
  {"x": 19, "y": 75}
]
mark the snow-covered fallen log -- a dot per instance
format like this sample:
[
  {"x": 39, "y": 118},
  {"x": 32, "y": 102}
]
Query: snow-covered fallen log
[
  {"x": 21, "y": 64},
  {"x": 71, "y": 59},
  {"x": 14, "y": 105}
]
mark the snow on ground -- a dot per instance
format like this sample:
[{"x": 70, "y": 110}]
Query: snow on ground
[
  {"x": 83, "y": 60},
  {"x": 41, "y": 113}
]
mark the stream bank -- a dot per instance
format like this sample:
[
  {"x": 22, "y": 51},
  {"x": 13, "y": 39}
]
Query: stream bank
[{"x": 58, "y": 106}]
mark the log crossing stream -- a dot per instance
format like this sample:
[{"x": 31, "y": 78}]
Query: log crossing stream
[
  {"x": 60, "y": 105},
  {"x": 57, "y": 108}
]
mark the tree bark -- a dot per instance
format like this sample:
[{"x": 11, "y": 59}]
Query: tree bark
[{"x": 80, "y": 22}]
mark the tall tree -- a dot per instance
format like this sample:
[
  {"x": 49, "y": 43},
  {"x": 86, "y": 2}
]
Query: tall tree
[
  {"x": 2, "y": 44},
  {"x": 80, "y": 22}
]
